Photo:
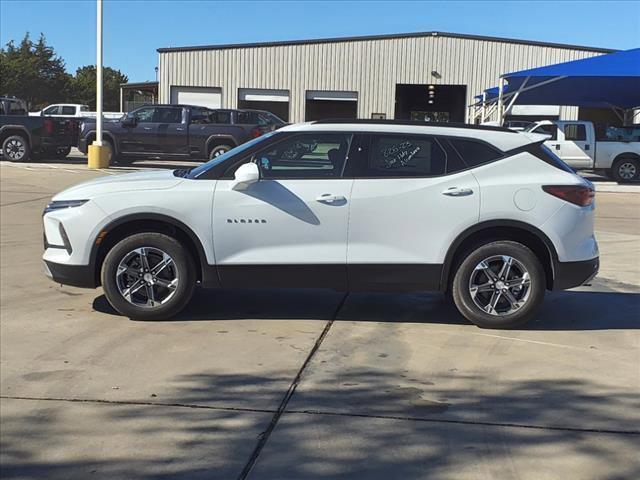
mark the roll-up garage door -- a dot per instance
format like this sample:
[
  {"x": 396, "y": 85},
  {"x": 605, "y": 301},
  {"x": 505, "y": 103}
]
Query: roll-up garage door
[
  {"x": 325, "y": 104},
  {"x": 202, "y": 96},
  {"x": 274, "y": 101}
]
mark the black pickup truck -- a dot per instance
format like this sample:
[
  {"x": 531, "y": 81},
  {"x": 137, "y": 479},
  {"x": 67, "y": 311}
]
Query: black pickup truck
[
  {"x": 178, "y": 132},
  {"x": 22, "y": 137}
]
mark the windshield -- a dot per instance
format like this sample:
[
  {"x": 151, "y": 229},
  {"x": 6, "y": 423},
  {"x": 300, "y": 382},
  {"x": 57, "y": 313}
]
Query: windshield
[{"x": 225, "y": 156}]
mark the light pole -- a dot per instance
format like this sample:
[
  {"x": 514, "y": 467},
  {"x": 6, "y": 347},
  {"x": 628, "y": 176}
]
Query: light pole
[{"x": 99, "y": 155}]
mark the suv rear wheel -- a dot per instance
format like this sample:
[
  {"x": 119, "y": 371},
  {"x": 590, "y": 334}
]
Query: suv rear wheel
[
  {"x": 499, "y": 285},
  {"x": 148, "y": 276}
]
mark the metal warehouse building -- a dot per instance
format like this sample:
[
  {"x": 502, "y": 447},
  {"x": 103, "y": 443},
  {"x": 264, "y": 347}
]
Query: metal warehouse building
[{"x": 421, "y": 76}]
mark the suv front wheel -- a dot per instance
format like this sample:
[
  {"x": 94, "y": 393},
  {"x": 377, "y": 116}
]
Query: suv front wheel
[
  {"x": 499, "y": 285},
  {"x": 148, "y": 276}
]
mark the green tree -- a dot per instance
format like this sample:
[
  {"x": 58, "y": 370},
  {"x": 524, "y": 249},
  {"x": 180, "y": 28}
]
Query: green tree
[
  {"x": 33, "y": 72},
  {"x": 84, "y": 87}
]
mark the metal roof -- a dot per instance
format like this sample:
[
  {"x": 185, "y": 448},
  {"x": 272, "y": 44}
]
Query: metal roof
[{"x": 381, "y": 37}]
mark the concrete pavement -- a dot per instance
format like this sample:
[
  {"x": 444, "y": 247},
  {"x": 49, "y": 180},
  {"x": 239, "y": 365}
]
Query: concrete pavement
[{"x": 281, "y": 384}]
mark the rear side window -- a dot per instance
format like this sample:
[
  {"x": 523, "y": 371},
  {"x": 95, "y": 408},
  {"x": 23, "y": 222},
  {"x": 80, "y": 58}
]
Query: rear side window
[
  {"x": 475, "y": 153},
  {"x": 221, "y": 117},
  {"x": 67, "y": 110},
  {"x": 576, "y": 132},
  {"x": 404, "y": 156}
]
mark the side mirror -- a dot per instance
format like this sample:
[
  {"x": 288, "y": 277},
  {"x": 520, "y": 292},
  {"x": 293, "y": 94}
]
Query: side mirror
[
  {"x": 128, "y": 121},
  {"x": 245, "y": 176}
]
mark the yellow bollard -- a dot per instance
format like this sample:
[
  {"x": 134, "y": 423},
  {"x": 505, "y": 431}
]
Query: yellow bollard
[{"x": 99, "y": 156}]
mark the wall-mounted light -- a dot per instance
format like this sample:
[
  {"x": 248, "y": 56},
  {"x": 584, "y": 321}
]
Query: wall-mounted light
[{"x": 431, "y": 102}]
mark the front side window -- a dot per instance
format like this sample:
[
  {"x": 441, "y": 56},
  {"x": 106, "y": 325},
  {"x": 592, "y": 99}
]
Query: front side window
[
  {"x": 168, "y": 115},
  {"x": 404, "y": 156},
  {"x": 318, "y": 155},
  {"x": 475, "y": 153},
  {"x": 51, "y": 110},
  {"x": 68, "y": 110},
  {"x": 144, "y": 115},
  {"x": 575, "y": 132}
]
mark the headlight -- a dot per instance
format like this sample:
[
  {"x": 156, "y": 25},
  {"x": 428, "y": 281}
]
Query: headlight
[{"x": 59, "y": 204}]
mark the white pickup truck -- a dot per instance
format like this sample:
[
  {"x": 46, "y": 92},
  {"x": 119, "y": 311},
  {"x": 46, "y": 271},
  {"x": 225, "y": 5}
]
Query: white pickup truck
[
  {"x": 71, "y": 110},
  {"x": 614, "y": 151}
]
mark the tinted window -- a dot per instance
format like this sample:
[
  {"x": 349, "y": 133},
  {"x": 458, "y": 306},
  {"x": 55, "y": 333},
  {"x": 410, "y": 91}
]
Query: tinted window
[
  {"x": 51, "y": 110},
  {"x": 1, "y": 107},
  {"x": 199, "y": 115},
  {"x": 84, "y": 108},
  {"x": 551, "y": 130},
  {"x": 475, "y": 153},
  {"x": 144, "y": 115},
  {"x": 404, "y": 156},
  {"x": 251, "y": 118},
  {"x": 318, "y": 155},
  {"x": 68, "y": 110},
  {"x": 168, "y": 115},
  {"x": 575, "y": 132},
  {"x": 221, "y": 117}
]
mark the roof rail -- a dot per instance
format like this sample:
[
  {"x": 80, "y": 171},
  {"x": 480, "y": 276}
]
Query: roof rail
[{"x": 414, "y": 123}]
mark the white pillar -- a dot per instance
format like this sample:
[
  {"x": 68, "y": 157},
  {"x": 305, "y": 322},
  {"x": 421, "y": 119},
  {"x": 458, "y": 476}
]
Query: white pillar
[
  {"x": 500, "y": 91},
  {"x": 483, "y": 115},
  {"x": 98, "y": 140}
]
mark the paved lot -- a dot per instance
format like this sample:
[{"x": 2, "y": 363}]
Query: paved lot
[{"x": 312, "y": 385}]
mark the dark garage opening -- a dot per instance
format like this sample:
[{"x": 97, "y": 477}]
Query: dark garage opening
[
  {"x": 274, "y": 101},
  {"x": 321, "y": 105},
  {"x": 280, "y": 109},
  {"x": 431, "y": 103}
]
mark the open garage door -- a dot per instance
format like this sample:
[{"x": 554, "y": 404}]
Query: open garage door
[
  {"x": 274, "y": 101},
  {"x": 210, "y": 97},
  {"x": 323, "y": 104},
  {"x": 431, "y": 103}
]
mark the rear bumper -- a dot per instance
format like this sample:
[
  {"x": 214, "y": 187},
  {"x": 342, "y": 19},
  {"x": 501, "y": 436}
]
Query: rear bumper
[
  {"x": 75, "y": 275},
  {"x": 574, "y": 274}
]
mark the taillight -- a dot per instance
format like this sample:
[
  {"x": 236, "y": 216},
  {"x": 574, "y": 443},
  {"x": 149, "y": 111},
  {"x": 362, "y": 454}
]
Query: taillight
[
  {"x": 580, "y": 195},
  {"x": 48, "y": 125}
]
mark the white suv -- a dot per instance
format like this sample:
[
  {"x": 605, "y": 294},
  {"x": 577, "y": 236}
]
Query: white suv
[{"x": 485, "y": 214}]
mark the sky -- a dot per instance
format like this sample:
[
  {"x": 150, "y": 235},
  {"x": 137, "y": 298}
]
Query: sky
[{"x": 134, "y": 29}]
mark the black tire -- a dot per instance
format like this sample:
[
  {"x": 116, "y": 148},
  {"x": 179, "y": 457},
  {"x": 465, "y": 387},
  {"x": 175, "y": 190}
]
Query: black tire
[
  {"x": 508, "y": 317},
  {"x": 62, "y": 152},
  {"x": 626, "y": 169},
  {"x": 219, "y": 150},
  {"x": 15, "y": 148},
  {"x": 183, "y": 266}
]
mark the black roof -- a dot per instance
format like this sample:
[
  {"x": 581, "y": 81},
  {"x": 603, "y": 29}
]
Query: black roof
[
  {"x": 382, "y": 37},
  {"x": 416, "y": 123}
]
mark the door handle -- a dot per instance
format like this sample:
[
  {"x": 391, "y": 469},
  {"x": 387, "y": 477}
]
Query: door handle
[
  {"x": 330, "y": 198},
  {"x": 586, "y": 147},
  {"x": 147, "y": 128},
  {"x": 180, "y": 129},
  {"x": 557, "y": 145},
  {"x": 457, "y": 192}
]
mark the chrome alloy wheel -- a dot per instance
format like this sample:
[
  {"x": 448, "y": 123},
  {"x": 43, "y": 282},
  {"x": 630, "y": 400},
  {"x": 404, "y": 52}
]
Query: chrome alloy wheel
[
  {"x": 15, "y": 149},
  {"x": 627, "y": 170},
  {"x": 500, "y": 285},
  {"x": 147, "y": 277}
]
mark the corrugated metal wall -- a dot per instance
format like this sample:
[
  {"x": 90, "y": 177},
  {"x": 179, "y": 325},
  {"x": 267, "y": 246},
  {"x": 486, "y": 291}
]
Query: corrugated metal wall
[{"x": 370, "y": 67}]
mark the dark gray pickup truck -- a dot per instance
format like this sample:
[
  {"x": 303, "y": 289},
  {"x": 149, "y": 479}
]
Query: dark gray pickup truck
[
  {"x": 23, "y": 137},
  {"x": 178, "y": 132}
]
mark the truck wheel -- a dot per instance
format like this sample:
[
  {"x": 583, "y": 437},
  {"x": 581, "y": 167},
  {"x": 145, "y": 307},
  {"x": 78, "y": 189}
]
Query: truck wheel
[
  {"x": 16, "y": 149},
  {"x": 219, "y": 150},
  {"x": 148, "y": 276},
  {"x": 62, "y": 152},
  {"x": 499, "y": 285},
  {"x": 626, "y": 169}
]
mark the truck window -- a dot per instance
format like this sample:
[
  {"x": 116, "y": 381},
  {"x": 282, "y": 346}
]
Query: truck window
[
  {"x": 575, "y": 132},
  {"x": 144, "y": 115},
  {"x": 220, "y": 117},
  {"x": 548, "y": 130},
  {"x": 2, "y": 108},
  {"x": 51, "y": 110},
  {"x": 168, "y": 115},
  {"x": 68, "y": 110},
  {"x": 199, "y": 116}
]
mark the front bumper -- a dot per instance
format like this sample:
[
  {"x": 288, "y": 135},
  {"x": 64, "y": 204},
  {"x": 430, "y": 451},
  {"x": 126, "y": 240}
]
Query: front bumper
[
  {"x": 574, "y": 274},
  {"x": 75, "y": 275}
]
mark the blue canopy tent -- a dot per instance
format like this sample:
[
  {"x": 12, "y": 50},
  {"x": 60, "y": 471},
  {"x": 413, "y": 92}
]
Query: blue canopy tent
[{"x": 606, "y": 81}]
